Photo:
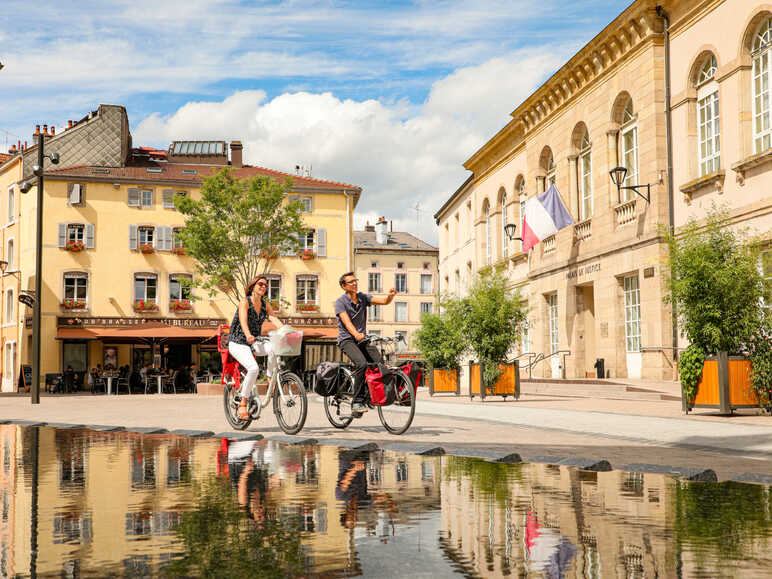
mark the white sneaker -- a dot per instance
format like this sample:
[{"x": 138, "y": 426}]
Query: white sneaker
[{"x": 359, "y": 407}]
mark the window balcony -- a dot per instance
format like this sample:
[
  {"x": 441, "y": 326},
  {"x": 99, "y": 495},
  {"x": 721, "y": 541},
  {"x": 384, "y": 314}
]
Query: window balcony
[
  {"x": 624, "y": 213},
  {"x": 549, "y": 244},
  {"x": 145, "y": 306},
  {"x": 180, "y": 305},
  {"x": 73, "y": 304},
  {"x": 583, "y": 230},
  {"x": 307, "y": 308}
]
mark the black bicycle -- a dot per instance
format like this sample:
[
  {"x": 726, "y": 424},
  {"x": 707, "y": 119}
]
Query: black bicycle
[{"x": 396, "y": 417}]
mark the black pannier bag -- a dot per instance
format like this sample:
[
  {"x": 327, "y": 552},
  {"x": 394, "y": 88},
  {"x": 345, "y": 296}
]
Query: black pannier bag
[{"x": 328, "y": 377}]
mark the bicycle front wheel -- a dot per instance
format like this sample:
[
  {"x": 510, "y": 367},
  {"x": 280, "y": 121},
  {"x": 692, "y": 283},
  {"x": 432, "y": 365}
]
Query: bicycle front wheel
[
  {"x": 397, "y": 417},
  {"x": 290, "y": 404}
]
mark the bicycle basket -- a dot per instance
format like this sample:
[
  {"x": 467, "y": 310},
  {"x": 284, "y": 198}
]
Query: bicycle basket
[{"x": 286, "y": 342}]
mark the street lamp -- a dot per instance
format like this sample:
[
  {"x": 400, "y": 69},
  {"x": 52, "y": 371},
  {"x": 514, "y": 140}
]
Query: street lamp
[
  {"x": 510, "y": 229},
  {"x": 618, "y": 177},
  {"x": 37, "y": 169}
]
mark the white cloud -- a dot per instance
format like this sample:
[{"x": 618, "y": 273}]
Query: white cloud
[{"x": 401, "y": 155}]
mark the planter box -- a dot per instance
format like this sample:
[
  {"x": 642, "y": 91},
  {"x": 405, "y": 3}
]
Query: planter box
[
  {"x": 507, "y": 384},
  {"x": 725, "y": 384},
  {"x": 444, "y": 380}
]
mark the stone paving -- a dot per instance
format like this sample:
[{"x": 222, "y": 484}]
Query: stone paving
[{"x": 619, "y": 432}]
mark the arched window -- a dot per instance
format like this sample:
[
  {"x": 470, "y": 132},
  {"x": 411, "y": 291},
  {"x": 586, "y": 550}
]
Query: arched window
[
  {"x": 522, "y": 196},
  {"x": 488, "y": 236},
  {"x": 585, "y": 177},
  {"x": 762, "y": 47},
  {"x": 549, "y": 168},
  {"x": 709, "y": 149},
  {"x": 628, "y": 141},
  {"x": 504, "y": 240}
]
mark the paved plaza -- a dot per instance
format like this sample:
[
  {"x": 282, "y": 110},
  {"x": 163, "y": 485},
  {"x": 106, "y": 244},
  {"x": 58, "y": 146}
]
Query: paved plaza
[{"x": 621, "y": 431}]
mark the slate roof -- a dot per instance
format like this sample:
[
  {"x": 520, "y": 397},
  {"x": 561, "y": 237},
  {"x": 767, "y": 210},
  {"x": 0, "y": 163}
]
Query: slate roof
[{"x": 397, "y": 241}]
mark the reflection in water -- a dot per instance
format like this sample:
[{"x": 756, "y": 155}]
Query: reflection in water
[{"x": 127, "y": 505}]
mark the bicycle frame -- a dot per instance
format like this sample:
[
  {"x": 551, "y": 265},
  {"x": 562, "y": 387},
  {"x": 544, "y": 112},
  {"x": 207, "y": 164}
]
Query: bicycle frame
[{"x": 272, "y": 383}]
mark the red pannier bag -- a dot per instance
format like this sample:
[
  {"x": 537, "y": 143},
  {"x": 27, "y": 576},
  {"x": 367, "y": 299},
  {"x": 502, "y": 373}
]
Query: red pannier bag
[
  {"x": 414, "y": 371},
  {"x": 380, "y": 384}
]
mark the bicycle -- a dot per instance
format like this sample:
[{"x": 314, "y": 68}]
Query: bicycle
[
  {"x": 285, "y": 388},
  {"x": 396, "y": 417}
]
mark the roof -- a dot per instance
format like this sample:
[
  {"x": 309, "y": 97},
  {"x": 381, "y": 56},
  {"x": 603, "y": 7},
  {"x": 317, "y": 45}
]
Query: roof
[
  {"x": 4, "y": 157},
  {"x": 151, "y": 170},
  {"x": 453, "y": 197},
  {"x": 397, "y": 241},
  {"x": 198, "y": 148}
]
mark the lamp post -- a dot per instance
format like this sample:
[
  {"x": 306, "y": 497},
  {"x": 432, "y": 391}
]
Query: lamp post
[
  {"x": 510, "y": 229},
  {"x": 618, "y": 177},
  {"x": 38, "y": 171}
]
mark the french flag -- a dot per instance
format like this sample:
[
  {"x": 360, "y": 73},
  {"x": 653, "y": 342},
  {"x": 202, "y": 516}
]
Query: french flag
[{"x": 544, "y": 215}]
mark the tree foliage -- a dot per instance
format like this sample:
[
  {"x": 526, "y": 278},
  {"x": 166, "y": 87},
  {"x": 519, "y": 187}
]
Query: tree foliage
[
  {"x": 493, "y": 316},
  {"x": 715, "y": 284},
  {"x": 237, "y": 229},
  {"x": 440, "y": 337}
]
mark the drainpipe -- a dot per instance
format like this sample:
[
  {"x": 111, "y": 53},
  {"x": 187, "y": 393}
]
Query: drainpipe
[
  {"x": 669, "y": 138},
  {"x": 349, "y": 217}
]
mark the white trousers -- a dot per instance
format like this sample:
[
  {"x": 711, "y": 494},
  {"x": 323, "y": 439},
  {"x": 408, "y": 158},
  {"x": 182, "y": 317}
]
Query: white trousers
[{"x": 243, "y": 354}]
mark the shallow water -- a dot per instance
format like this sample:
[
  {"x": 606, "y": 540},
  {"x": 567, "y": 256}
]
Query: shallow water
[{"x": 79, "y": 503}]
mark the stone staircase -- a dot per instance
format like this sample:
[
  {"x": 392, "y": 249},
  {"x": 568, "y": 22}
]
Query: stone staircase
[{"x": 596, "y": 388}]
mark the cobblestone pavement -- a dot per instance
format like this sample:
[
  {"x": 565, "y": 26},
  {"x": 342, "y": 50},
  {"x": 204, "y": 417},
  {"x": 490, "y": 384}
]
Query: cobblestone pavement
[{"x": 618, "y": 431}]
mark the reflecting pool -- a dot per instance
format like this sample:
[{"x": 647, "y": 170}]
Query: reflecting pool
[{"x": 81, "y": 503}]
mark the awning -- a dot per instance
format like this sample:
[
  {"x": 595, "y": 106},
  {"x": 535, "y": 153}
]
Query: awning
[
  {"x": 141, "y": 332},
  {"x": 309, "y": 332}
]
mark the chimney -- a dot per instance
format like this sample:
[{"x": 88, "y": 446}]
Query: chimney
[
  {"x": 236, "y": 158},
  {"x": 69, "y": 124},
  {"x": 53, "y": 130},
  {"x": 45, "y": 129},
  {"x": 369, "y": 227},
  {"x": 380, "y": 231},
  {"x": 37, "y": 129}
]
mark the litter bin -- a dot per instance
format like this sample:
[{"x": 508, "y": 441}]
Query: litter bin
[{"x": 600, "y": 368}]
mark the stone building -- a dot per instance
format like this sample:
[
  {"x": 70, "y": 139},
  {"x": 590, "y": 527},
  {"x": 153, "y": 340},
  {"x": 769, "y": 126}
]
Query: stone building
[{"x": 596, "y": 289}]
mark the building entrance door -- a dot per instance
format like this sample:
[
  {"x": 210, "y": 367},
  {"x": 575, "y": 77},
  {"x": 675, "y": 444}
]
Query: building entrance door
[{"x": 588, "y": 327}]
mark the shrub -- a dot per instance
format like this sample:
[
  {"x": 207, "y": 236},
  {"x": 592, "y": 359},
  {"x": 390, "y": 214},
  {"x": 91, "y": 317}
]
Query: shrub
[
  {"x": 690, "y": 371},
  {"x": 440, "y": 338}
]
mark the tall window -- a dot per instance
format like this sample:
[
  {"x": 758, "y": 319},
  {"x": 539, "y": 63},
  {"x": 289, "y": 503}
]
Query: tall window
[
  {"x": 9, "y": 256},
  {"x": 762, "y": 48},
  {"x": 274, "y": 288},
  {"x": 550, "y": 171},
  {"x": 488, "y": 236},
  {"x": 76, "y": 232},
  {"x": 526, "y": 338},
  {"x": 522, "y": 198},
  {"x": 628, "y": 136},
  {"x": 146, "y": 235},
  {"x": 307, "y": 290},
  {"x": 307, "y": 240},
  {"x": 585, "y": 178},
  {"x": 374, "y": 313},
  {"x": 179, "y": 287},
  {"x": 707, "y": 118},
  {"x": 75, "y": 286},
  {"x": 400, "y": 311},
  {"x": 426, "y": 283},
  {"x": 176, "y": 241},
  {"x": 632, "y": 314},
  {"x": 145, "y": 286},
  {"x": 11, "y": 204},
  {"x": 9, "y": 306},
  {"x": 552, "y": 306},
  {"x": 374, "y": 282},
  {"x": 504, "y": 240},
  {"x": 426, "y": 308},
  {"x": 400, "y": 282}
]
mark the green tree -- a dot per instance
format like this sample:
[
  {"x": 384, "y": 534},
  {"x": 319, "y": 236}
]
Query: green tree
[
  {"x": 440, "y": 337},
  {"x": 237, "y": 229},
  {"x": 493, "y": 317}
]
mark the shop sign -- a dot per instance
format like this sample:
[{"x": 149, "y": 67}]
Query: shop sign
[
  {"x": 315, "y": 321},
  {"x": 89, "y": 322},
  {"x": 583, "y": 271}
]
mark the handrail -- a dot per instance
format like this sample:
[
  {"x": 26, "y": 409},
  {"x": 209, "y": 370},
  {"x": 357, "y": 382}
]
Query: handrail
[{"x": 540, "y": 357}]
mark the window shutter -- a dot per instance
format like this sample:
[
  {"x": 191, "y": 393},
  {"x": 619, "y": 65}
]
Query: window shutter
[
  {"x": 89, "y": 236},
  {"x": 133, "y": 197},
  {"x": 168, "y": 199},
  {"x": 74, "y": 193},
  {"x": 321, "y": 242},
  {"x": 167, "y": 238},
  {"x": 62, "y": 234},
  {"x": 132, "y": 237}
]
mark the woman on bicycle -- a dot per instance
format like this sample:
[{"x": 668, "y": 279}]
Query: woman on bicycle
[{"x": 247, "y": 325}]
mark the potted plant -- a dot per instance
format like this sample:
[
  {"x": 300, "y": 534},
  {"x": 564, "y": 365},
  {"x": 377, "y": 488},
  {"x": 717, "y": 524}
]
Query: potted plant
[
  {"x": 718, "y": 291},
  {"x": 75, "y": 246},
  {"x": 270, "y": 253},
  {"x": 308, "y": 307},
  {"x": 492, "y": 318},
  {"x": 146, "y": 248},
  {"x": 306, "y": 254},
  {"x": 178, "y": 250},
  {"x": 180, "y": 305},
  {"x": 275, "y": 304},
  {"x": 74, "y": 304},
  {"x": 441, "y": 341},
  {"x": 145, "y": 306}
]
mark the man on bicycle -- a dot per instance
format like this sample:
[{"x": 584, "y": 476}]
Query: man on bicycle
[{"x": 351, "y": 310}]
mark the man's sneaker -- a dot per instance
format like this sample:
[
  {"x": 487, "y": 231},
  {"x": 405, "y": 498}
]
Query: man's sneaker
[{"x": 359, "y": 407}]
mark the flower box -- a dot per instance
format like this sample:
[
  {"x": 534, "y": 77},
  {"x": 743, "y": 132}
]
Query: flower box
[
  {"x": 180, "y": 305},
  {"x": 308, "y": 307},
  {"x": 725, "y": 384},
  {"x": 178, "y": 250},
  {"x": 147, "y": 248},
  {"x": 74, "y": 304},
  {"x": 145, "y": 306},
  {"x": 444, "y": 380},
  {"x": 75, "y": 246},
  {"x": 507, "y": 384},
  {"x": 275, "y": 304},
  {"x": 271, "y": 253},
  {"x": 306, "y": 254}
]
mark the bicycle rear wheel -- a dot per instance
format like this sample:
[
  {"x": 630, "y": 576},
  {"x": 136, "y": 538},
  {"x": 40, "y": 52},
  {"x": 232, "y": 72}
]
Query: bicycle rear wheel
[
  {"x": 397, "y": 417},
  {"x": 231, "y": 405},
  {"x": 338, "y": 406},
  {"x": 290, "y": 404}
]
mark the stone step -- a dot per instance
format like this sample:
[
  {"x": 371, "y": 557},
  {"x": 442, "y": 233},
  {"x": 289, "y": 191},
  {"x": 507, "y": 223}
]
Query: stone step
[{"x": 606, "y": 390}]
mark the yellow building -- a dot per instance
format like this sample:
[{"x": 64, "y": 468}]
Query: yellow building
[
  {"x": 395, "y": 259},
  {"x": 110, "y": 249}
]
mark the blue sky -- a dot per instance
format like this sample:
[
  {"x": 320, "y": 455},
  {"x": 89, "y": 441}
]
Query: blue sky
[{"x": 391, "y": 96}]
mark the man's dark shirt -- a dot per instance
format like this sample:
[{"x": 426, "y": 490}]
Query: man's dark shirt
[{"x": 357, "y": 312}]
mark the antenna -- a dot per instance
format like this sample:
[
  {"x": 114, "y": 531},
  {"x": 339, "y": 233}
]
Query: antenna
[{"x": 417, "y": 208}]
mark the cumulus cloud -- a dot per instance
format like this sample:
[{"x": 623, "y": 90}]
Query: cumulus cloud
[{"x": 401, "y": 155}]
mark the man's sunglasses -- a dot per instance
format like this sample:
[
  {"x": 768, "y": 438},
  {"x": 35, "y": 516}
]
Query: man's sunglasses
[{"x": 349, "y": 282}]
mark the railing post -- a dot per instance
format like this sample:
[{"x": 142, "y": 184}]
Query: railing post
[
  {"x": 723, "y": 383},
  {"x": 517, "y": 380}
]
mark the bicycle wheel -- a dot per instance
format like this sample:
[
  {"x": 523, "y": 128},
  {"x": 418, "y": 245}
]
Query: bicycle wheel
[
  {"x": 397, "y": 417},
  {"x": 338, "y": 407},
  {"x": 290, "y": 404},
  {"x": 231, "y": 405}
]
